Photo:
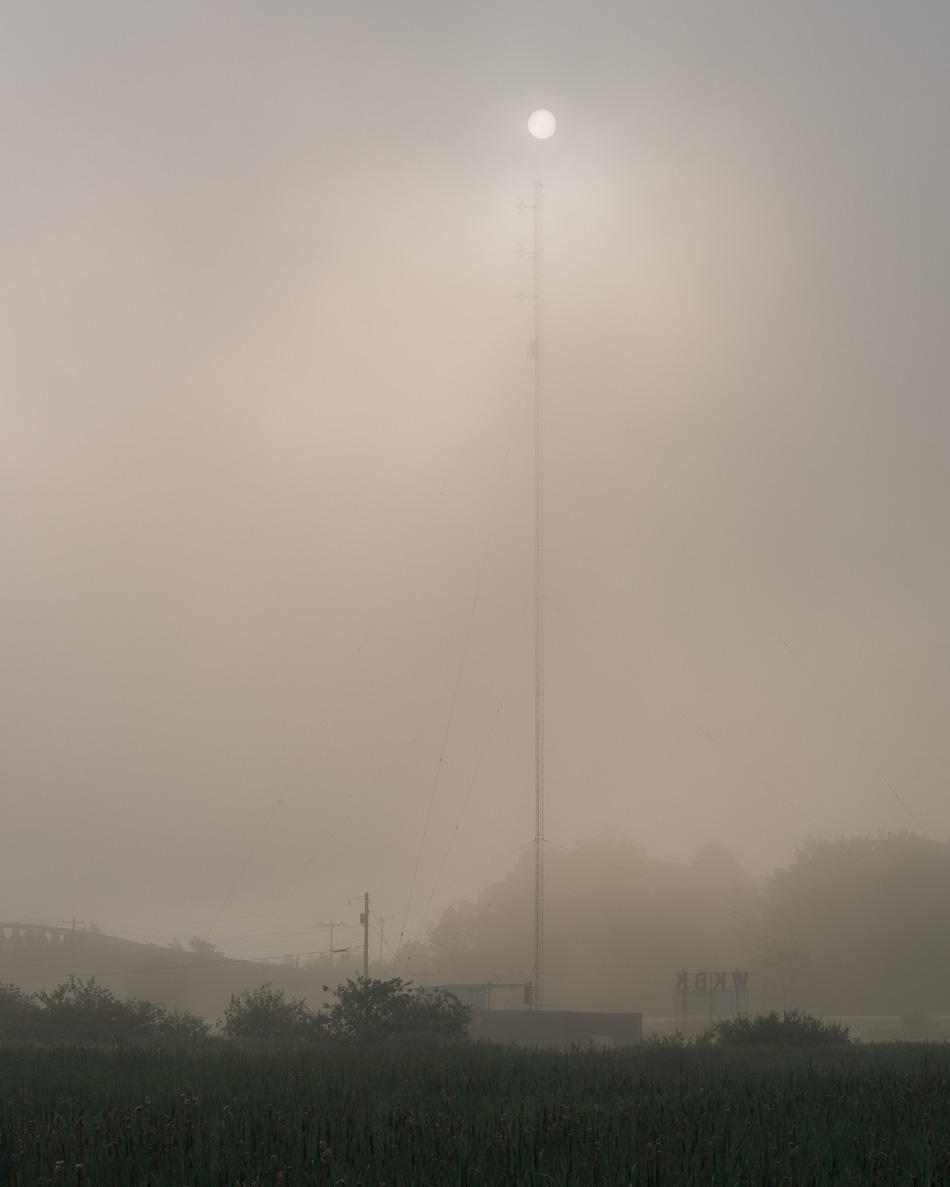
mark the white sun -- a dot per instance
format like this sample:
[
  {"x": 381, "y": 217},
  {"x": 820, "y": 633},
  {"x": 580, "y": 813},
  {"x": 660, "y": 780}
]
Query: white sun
[{"x": 541, "y": 124}]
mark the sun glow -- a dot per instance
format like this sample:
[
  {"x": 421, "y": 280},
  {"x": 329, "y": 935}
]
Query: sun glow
[{"x": 541, "y": 124}]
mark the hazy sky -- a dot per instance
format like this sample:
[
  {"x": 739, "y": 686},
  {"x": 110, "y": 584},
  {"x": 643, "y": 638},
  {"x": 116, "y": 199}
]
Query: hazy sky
[{"x": 266, "y": 445}]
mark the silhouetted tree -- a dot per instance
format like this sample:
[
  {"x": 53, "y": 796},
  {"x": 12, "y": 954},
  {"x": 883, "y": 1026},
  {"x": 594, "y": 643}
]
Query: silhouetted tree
[
  {"x": 374, "y": 1011},
  {"x": 619, "y": 925},
  {"x": 793, "y": 1028},
  {"x": 266, "y": 1013},
  {"x": 18, "y": 1014},
  {"x": 872, "y": 911},
  {"x": 84, "y": 1011},
  {"x": 202, "y": 947},
  {"x": 180, "y": 1026}
]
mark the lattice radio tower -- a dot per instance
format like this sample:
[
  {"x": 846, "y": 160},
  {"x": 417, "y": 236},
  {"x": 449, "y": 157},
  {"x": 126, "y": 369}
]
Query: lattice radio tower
[{"x": 537, "y": 348}]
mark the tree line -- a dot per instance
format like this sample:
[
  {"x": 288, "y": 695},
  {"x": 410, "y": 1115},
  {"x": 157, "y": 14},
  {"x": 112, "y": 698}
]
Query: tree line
[
  {"x": 364, "y": 1011},
  {"x": 853, "y": 925}
]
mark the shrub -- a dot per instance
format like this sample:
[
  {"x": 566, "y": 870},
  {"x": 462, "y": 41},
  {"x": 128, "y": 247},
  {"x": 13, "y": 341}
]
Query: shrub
[
  {"x": 82, "y": 1011},
  {"x": 368, "y": 1010},
  {"x": 180, "y": 1026},
  {"x": 202, "y": 947},
  {"x": 668, "y": 1042},
  {"x": 794, "y": 1028},
  {"x": 18, "y": 1013},
  {"x": 268, "y": 1014}
]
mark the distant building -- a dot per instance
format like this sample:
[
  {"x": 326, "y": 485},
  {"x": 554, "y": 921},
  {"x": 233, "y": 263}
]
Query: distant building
[{"x": 561, "y": 1029}]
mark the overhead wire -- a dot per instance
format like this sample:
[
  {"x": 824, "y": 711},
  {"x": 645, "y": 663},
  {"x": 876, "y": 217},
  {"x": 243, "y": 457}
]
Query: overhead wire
[
  {"x": 273, "y": 813},
  {"x": 458, "y": 882},
  {"x": 376, "y": 783},
  {"x": 468, "y": 793},
  {"x": 438, "y": 770},
  {"x": 490, "y": 865},
  {"x": 158, "y": 927},
  {"x": 450, "y": 468},
  {"x": 223, "y": 962},
  {"x": 461, "y": 668}
]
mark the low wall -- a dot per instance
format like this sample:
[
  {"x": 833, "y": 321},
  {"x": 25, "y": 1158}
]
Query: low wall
[{"x": 557, "y": 1028}]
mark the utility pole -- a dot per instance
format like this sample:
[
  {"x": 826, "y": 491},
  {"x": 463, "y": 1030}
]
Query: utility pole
[
  {"x": 364, "y": 919},
  {"x": 331, "y": 925}
]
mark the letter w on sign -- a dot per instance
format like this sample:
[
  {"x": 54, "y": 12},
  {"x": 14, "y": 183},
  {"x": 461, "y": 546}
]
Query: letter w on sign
[{"x": 740, "y": 980}]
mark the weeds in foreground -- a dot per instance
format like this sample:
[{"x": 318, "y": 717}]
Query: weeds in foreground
[{"x": 225, "y": 1113}]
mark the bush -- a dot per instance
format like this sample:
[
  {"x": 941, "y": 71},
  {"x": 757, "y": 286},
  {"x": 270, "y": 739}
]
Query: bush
[
  {"x": 267, "y": 1014},
  {"x": 180, "y": 1026},
  {"x": 368, "y": 1010},
  {"x": 670, "y": 1042},
  {"x": 18, "y": 1013},
  {"x": 794, "y": 1028},
  {"x": 82, "y": 1011}
]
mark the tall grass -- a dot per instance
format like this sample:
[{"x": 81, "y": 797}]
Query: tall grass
[{"x": 472, "y": 1114}]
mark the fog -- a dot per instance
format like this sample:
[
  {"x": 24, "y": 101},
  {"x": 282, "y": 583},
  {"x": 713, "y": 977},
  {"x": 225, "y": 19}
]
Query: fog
[
  {"x": 267, "y": 448},
  {"x": 852, "y": 927}
]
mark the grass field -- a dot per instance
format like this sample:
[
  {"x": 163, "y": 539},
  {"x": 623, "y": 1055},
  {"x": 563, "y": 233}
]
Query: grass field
[{"x": 283, "y": 1115}]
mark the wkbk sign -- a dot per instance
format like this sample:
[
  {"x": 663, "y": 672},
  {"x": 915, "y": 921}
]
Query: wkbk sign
[
  {"x": 711, "y": 982},
  {"x": 715, "y": 994}
]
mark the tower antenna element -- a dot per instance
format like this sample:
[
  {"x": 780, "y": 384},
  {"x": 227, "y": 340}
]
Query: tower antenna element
[{"x": 541, "y": 125}]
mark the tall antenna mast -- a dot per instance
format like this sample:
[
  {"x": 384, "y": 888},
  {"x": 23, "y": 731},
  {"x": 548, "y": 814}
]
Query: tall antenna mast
[
  {"x": 539, "y": 602},
  {"x": 541, "y": 125}
]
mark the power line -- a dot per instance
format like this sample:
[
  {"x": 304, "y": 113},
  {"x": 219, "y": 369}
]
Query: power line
[
  {"x": 491, "y": 864},
  {"x": 157, "y": 927},
  {"x": 458, "y": 679},
  {"x": 374, "y": 786},
  {"x": 471, "y": 786},
  {"x": 331, "y": 702},
  {"x": 164, "y": 968}
]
